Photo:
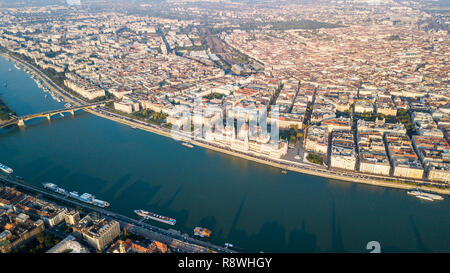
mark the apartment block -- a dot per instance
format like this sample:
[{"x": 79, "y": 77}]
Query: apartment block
[
  {"x": 317, "y": 139},
  {"x": 434, "y": 153},
  {"x": 340, "y": 123},
  {"x": 372, "y": 153},
  {"x": 404, "y": 160},
  {"x": 96, "y": 231},
  {"x": 380, "y": 125},
  {"x": 343, "y": 154}
]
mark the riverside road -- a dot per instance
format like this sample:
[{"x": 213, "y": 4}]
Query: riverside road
[{"x": 175, "y": 239}]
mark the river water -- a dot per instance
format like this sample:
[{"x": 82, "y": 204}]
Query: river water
[{"x": 251, "y": 205}]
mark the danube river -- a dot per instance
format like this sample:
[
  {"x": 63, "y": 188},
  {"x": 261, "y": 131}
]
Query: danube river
[{"x": 250, "y": 205}]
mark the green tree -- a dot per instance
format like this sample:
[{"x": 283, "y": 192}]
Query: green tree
[
  {"x": 40, "y": 238},
  {"x": 314, "y": 158}
]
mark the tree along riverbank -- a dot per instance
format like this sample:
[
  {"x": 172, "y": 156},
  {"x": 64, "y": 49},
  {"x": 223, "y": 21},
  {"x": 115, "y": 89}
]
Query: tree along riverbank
[{"x": 5, "y": 111}]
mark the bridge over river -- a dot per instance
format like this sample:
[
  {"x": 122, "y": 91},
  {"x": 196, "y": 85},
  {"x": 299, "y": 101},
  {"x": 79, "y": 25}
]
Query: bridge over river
[{"x": 20, "y": 121}]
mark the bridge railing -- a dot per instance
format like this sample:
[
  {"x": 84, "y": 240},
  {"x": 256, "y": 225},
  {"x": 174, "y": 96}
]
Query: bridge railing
[
  {"x": 62, "y": 110},
  {"x": 20, "y": 119}
]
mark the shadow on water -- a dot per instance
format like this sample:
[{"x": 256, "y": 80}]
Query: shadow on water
[
  {"x": 61, "y": 172},
  {"x": 150, "y": 193},
  {"x": 337, "y": 244},
  {"x": 40, "y": 167},
  {"x": 301, "y": 238},
  {"x": 122, "y": 180},
  {"x": 238, "y": 213},
  {"x": 272, "y": 237},
  {"x": 5, "y": 132},
  {"x": 124, "y": 186},
  {"x": 393, "y": 249},
  {"x": 208, "y": 222},
  {"x": 421, "y": 248},
  {"x": 85, "y": 182},
  {"x": 420, "y": 244},
  {"x": 235, "y": 234},
  {"x": 182, "y": 217},
  {"x": 172, "y": 198}
]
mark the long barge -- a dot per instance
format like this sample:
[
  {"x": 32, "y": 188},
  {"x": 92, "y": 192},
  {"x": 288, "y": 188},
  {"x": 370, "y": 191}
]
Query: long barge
[
  {"x": 425, "y": 195},
  {"x": 85, "y": 197},
  {"x": 153, "y": 216}
]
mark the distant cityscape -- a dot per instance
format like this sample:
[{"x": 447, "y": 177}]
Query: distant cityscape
[{"x": 359, "y": 91}]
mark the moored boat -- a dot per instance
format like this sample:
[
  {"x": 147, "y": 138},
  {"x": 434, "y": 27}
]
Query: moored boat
[
  {"x": 425, "y": 195},
  {"x": 153, "y": 216},
  {"x": 186, "y": 144},
  {"x": 202, "y": 232},
  {"x": 100, "y": 203},
  {"x": 50, "y": 186},
  {"x": 85, "y": 197},
  {"x": 6, "y": 169},
  {"x": 414, "y": 193},
  {"x": 74, "y": 194}
]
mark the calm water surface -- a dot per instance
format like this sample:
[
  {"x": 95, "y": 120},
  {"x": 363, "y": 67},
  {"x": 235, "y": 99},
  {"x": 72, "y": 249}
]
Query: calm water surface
[{"x": 253, "y": 206}]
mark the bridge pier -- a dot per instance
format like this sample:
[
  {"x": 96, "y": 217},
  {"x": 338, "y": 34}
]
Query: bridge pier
[
  {"x": 21, "y": 123},
  {"x": 72, "y": 112},
  {"x": 48, "y": 116}
]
